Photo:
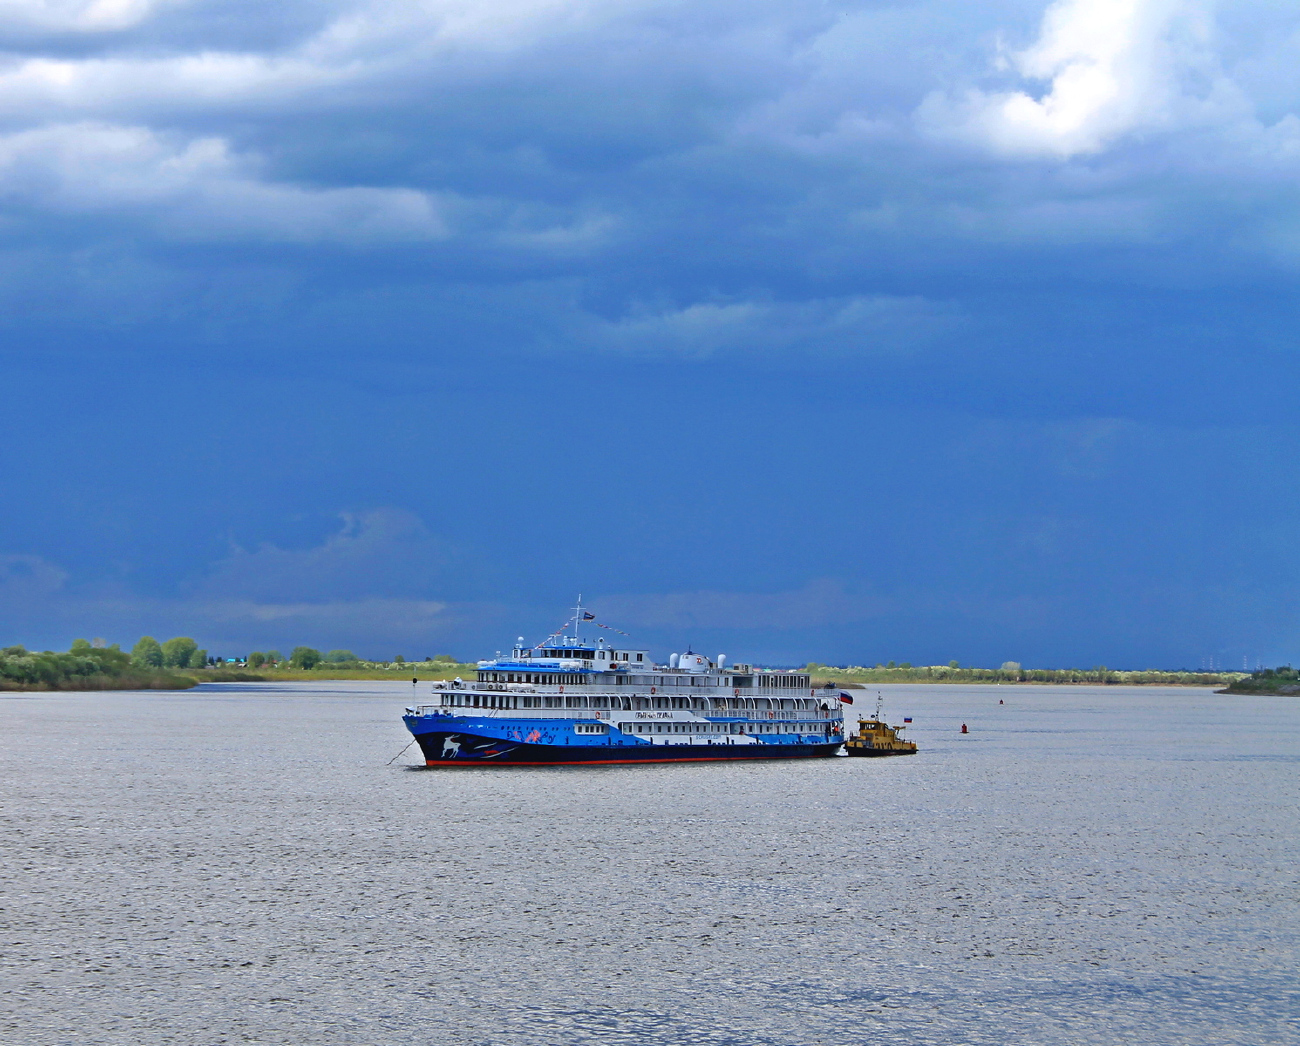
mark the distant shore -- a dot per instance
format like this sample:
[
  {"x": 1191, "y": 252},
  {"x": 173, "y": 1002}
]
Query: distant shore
[
  {"x": 144, "y": 680},
  {"x": 430, "y": 671},
  {"x": 822, "y": 675},
  {"x": 1012, "y": 673},
  {"x": 1260, "y": 684},
  {"x": 87, "y": 669},
  {"x": 84, "y": 667}
]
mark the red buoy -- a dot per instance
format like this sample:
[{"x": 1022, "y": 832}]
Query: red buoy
[{"x": 963, "y": 729}]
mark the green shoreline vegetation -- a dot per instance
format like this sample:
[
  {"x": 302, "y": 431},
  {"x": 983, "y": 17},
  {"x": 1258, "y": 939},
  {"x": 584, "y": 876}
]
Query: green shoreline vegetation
[
  {"x": 1013, "y": 672},
  {"x": 85, "y": 667},
  {"x": 306, "y": 661},
  {"x": 180, "y": 663},
  {"x": 1282, "y": 681}
]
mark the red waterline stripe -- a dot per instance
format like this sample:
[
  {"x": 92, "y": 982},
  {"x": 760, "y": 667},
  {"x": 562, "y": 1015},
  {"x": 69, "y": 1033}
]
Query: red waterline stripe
[{"x": 611, "y": 762}]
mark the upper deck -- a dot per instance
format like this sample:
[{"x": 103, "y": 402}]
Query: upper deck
[
  {"x": 574, "y": 665},
  {"x": 608, "y": 668}
]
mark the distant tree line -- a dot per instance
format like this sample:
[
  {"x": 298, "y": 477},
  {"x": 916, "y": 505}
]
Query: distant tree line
[
  {"x": 84, "y": 667},
  {"x": 305, "y": 658},
  {"x": 155, "y": 665},
  {"x": 181, "y": 652},
  {"x": 1010, "y": 672},
  {"x": 1281, "y": 680}
]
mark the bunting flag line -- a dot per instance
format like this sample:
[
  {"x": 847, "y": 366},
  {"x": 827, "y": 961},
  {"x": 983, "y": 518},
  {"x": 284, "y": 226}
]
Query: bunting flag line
[
  {"x": 558, "y": 632},
  {"x": 585, "y": 617}
]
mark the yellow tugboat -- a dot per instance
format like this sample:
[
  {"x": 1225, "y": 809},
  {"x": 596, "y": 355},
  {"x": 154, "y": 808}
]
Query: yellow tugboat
[{"x": 876, "y": 737}]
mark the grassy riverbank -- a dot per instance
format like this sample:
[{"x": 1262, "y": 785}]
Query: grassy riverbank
[
  {"x": 1284, "y": 681},
  {"x": 422, "y": 670},
  {"x": 87, "y": 668},
  {"x": 1011, "y": 672},
  {"x": 853, "y": 676},
  {"x": 83, "y": 668}
]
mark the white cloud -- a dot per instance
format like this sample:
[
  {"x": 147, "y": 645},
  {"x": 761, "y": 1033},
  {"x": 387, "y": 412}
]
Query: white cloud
[
  {"x": 503, "y": 25},
  {"x": 596, "y": 125},
  {"x": 89, "y": 16},
  {"x": 197, "y": 189},
  {"x": 97, "y": 86},
  {"x": 367, "y": 45},
  {"x": 1111, "y": 67},
  {"x": 867, "y": 324}
]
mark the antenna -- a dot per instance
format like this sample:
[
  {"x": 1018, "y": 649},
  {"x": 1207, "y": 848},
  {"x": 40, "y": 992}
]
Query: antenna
[{"x": 880, "y": 703}]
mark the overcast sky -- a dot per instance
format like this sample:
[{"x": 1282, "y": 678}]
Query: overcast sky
[{"x": 843, "y": 332}]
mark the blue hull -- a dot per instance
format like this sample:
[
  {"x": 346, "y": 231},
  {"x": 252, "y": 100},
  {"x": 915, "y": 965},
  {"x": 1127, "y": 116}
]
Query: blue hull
[{"x": 445, "y": 745}]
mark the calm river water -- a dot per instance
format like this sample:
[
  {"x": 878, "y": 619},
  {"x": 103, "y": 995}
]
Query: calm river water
[{"x": 240, "y": 864}]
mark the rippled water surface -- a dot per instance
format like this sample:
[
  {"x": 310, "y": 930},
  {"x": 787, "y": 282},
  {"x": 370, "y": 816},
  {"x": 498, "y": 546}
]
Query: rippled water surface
[{"x": 241, "y": 864}]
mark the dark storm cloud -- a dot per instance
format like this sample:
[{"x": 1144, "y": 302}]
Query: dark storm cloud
[
  {"x": 994, "y": 241},
  {"x": 746, "y": 146}
]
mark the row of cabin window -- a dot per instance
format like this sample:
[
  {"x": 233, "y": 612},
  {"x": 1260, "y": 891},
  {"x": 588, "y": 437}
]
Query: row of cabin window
[
  {"x": 683, "y": 728},
  {"x": 550, "y": 679},
  {"x": 711, "y": 728},
  {"x": 741, "y": 704},
  {"x": 690, "y": 728},
  {"x": 639, "y": 703},
  {"x": 537, "y": 678},
  {"x": 586, "y": 655}
]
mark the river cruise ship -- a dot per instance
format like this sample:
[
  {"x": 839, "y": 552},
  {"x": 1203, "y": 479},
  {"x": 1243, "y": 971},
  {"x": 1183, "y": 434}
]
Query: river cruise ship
[{"x": 578, "y": 701}]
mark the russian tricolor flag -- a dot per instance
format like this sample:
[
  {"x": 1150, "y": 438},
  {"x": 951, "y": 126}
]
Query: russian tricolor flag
[{"x": 845, "y": 698}]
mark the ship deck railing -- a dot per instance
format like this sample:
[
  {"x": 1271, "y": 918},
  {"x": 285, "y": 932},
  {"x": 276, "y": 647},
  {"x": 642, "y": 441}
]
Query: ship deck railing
[
  {"x": 743, "y": 715},
  {"x": 626, "y": 690}
]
